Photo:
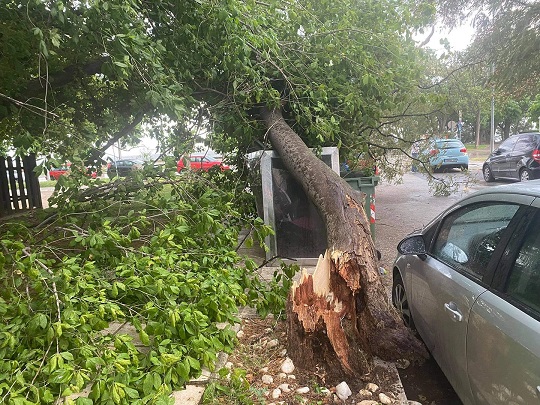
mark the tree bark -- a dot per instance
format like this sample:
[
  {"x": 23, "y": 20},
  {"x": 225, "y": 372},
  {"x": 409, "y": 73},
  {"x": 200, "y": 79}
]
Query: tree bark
[{"x": 341, "y": 315}]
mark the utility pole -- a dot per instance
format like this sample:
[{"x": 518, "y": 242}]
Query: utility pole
[{"x": 492, "y": 132}]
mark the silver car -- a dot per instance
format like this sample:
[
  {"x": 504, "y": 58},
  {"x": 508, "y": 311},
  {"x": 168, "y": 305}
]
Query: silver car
[{"x": 469, "y": 283}]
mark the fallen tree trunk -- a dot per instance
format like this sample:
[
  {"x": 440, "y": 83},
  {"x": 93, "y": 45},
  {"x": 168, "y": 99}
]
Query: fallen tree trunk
[{"x": 341, "y": 315}]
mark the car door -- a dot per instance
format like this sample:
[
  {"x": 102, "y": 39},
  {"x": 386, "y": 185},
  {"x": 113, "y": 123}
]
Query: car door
[
  {"x": 196, "y": 162},
  {"x": 503, "y": 341},
  {"x": 206, "y": 163},
  {"x": 451, "y": 280},
  {"x": 515, "y": 160},
  {"x": 499, "y": 158}
]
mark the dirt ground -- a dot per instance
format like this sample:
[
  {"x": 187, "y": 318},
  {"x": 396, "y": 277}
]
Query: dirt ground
[{"x": 255, "y": 355}]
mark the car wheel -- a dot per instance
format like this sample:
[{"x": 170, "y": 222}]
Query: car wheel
[
  {"x": 524, "y": 174},
  {"x": 488, "y": 175},
  {"x": 464, "y": 168},
  {"x": 400, "y": 301}
]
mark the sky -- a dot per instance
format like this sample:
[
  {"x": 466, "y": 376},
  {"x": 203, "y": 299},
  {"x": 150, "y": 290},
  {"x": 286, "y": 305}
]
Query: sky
[{"x": 459, "y": 38}]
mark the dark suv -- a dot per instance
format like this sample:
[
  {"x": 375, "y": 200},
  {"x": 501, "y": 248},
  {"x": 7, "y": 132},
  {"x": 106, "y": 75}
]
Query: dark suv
[{"x": 518, "y": 158}]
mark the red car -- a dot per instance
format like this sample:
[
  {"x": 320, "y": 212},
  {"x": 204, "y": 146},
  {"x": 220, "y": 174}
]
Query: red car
[
  {"x": 201, "y": 162},
  {"x": 55, "y": 173}
]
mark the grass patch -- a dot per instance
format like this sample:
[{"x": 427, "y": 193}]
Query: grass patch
[{"x": 47, "y": 183}]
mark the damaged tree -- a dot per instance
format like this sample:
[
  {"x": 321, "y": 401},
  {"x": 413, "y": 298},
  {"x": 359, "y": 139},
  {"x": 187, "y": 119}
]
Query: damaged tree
[{"x": 340, "y": 315}]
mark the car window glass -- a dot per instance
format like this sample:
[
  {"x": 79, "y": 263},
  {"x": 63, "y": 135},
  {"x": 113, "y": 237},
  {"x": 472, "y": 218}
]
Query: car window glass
[
  {"x": 524, "y": 143},
  {"x": 450, "y": 144},
  {"x": 508, "y": 145},
  {"x": 524, "y": 282},
  {"x": 468, "y": 237}
]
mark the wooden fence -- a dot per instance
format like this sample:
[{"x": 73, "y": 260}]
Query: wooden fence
[{"x": 19, "y": 185}]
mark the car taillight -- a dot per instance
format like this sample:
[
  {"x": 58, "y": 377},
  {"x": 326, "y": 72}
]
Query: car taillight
[
  {"x": 433, "y": 152},
  {"x": 536, "y": 155},
  {"x": 464, "y": 150}
]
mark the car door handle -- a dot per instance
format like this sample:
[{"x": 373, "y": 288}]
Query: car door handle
[{"x": 452, "y": 309}]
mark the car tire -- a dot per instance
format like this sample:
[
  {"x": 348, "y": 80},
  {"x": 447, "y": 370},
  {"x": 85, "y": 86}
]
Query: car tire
[
  {"x": 524, "y": 174},
  {"x": 464, "y": 168},
  {"x": 400, "y": 301},
  {"x": 488, "y": 175}
]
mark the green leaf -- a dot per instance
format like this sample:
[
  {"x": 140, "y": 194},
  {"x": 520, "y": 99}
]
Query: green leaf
[
  {"x": 67, "y": 356},
  {"x": 60, "y": 376},
  {"x": 148, "y": 384},
  {"x": 144, "y": 338}
]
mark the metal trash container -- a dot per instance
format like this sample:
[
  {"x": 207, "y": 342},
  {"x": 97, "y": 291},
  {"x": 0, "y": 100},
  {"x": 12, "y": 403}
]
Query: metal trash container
[{"x": 366, "y": 185}]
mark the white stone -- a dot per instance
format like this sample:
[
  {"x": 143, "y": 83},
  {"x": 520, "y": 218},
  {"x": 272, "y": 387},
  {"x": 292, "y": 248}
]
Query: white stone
[
  {"x": 365, "y": 393},
  {"x": 267, "y": 379},
  {"x": 276, "y": 393},
  {"x": 284, "y": 387},
  {"x": 229, "y": 365},
  {"x": 413, "y": 403},
  {"x": 272, "y": 343},
  {"x": 343, "y": 391},
  {"x": 291, "y": 377},
  {"x": 282, "y": 376},
  {"x": 191, "y": 395},
  {"x": 264, "y": 370},
  {"x": 325, "y": 391},
  {"x": 302, "y": 390},
  {"x": 367, "y": 402},
  {"x": 403, "y": 363},
  {"x": 372, "y": 387},
  {"x": 384, "y": 399},
  {"x": 283, "y": 353},
  {"x": 287, "y": 366},
  {"x": 240, "y": 334}
]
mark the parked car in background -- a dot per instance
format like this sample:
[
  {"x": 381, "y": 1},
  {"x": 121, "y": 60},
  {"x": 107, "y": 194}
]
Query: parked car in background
[
  {"x": 469, "y": 283},
  {"x": 517, "y": 158},
  {"x": 56, "y": 172},
  {"x": 123, "y": 167},
  {"x": 448, "y": 154},
  {"x": 200, "y": 162}
]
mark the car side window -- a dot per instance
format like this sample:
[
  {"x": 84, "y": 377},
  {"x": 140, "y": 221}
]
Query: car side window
[
  {"x": 524, "y": 143},
  {"x": 524, "y": 282},
  {"x": 468, "y": 237},
  {"x": 508, "y": 145}
]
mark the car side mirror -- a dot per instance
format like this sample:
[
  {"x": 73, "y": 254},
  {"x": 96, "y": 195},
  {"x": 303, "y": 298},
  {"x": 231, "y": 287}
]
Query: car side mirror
[
  {"x": 497, "y": 151},
  {"x": 412, "y": 245}
]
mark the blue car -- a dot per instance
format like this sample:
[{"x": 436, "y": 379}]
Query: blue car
[{"x": 448, "y": 154}]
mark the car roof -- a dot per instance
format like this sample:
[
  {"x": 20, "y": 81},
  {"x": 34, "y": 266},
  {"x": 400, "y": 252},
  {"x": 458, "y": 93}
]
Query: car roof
[
  {"x": 129, "y": 160},
  {"x": 526, "y": 133},
  {"x": 531, "y": 188}
]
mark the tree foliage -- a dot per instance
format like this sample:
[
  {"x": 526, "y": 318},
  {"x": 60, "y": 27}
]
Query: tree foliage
[
  {"x": 90, "y": 74},
  {"x": 158, "y": 254},
  {"x": 507, "y": 36}
]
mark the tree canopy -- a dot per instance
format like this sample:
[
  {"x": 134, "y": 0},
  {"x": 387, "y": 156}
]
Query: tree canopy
[{"x": 78, "y": 76}]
